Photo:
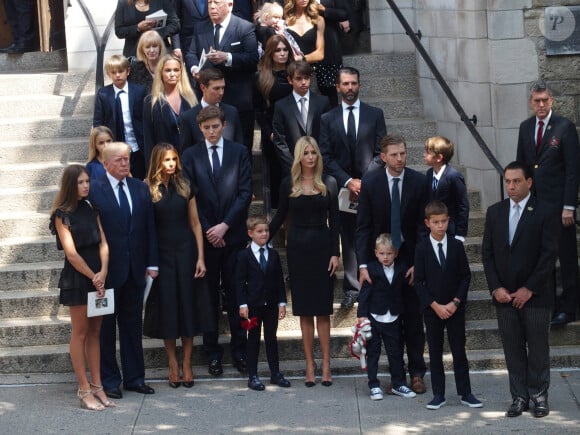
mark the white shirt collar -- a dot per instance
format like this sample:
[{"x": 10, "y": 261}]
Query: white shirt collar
[
  {"x": 390, "y": 177},
  {"x": 298, "y": 96},
  {"x": 256, "y": 248},
  {"x": 124, "y": 88},
  {"x": 114, "y": 182},
  {"x": 356, "y": 104},
  {"x": 522, "y": 203},
  {"x": 439, "y": 173},
  {"x": 219, "y": 144},
  {"x": 546, "y": 120}
]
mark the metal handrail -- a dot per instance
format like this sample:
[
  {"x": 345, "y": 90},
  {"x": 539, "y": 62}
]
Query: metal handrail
[{"x": 469, "y": 122}]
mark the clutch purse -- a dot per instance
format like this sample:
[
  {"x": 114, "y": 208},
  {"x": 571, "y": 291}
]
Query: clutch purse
[
  {"x": 101, "y": 306},
  {"x": 344, "y": 202}
]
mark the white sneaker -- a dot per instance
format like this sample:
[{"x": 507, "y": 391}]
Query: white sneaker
[
  {"x": 403, "y": 391},
  {"x": 376, "y": 393}
]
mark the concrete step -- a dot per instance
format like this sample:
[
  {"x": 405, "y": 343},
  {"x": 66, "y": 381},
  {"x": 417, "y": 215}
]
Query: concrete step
[
  {"x": 30, "y": 276},
  {"x": 399, "y": 85},
  {"x": 19, "y": 199},
  {"x": 43, "y": 127},
  {"x": 32, "y": 174},
  {"x": 34, "y": 61},
  {"x": 75, "y": 149},
  {"x": 27, "y": 105},
  {"x": 413, "y": 129},
  {"x": 395, "y": 108},
  {"x": 379, "y": 64},
  {"x": 29, "y": 250},
  {"x": 56, "y": 359},
  {"x": 58, "y": 83},
  {"x": 31, "y": 303}
]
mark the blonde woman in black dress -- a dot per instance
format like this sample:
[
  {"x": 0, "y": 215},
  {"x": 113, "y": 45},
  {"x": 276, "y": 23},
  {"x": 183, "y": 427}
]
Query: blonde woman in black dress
[
  {"x": 80, "y": 235},
  {"x": 310, "y": 200}
]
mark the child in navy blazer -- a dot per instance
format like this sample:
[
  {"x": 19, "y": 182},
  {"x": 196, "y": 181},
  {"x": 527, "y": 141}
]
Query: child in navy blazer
[
  {"x": 447, "y": 184},
  {"x": 382, "y": 302},
  {"x": 442, "y": 278},
  {"x": 259, "y": 283}
]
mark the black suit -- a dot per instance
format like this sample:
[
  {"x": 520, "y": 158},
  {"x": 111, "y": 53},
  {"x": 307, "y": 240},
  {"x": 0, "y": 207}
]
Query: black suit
[
  {"x": 528, "y": 262},
  {"x": 262, "y": 291},
  {"x": 190, "y": 134},
  {"x": 239, "y": 39},
  {"x": 378, "y": 298},
  {"x": 288, "y": 127},
  {"x": 556, "y": 172},
  {"x": 374, "y": 218},
  {"x": 132, "y": 249},
  {"x": 191, "y": 19},
  {"x": 344, "y": 163},
  {"x": 105, "y": 114},
  {"x": 434, "y": 283},
  {"x": 227, "y": 200},
  {"x": 452, "y": 191},
  {"x": 126, "y": 22}
]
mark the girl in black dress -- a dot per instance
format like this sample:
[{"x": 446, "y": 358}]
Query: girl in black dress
[
  {"x": 177, "y": 300},
  {"x": 310, "y": 200},
  {"x": 271, "y": 85},
  {"x": 80, "y": 235}
]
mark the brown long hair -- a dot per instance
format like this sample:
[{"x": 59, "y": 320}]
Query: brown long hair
[
  {"x": 154, "y": 177},
  {"x": 266, "y": 78},
  {"x": 311, "y": 11},
  {"x": 296, "y": 170},
  {"x": 67, "y": 197}
]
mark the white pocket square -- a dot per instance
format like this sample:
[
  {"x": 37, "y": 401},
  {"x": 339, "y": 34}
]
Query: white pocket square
[{"x": 236, "y": 43}]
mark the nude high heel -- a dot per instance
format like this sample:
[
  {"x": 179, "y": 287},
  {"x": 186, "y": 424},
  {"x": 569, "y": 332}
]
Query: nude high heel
[
  {"x": 97, "y": 389},
  {"x": 83, "y": 395}
]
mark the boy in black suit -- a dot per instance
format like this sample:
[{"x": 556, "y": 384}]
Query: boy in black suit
[
  {"x": 442, "y": 278},
  {"x": 381, "y": 302},
  {"x": 261, "y": 293},
  {"x": 119, "y": 106},
  {"x": 447, "y": 184}
]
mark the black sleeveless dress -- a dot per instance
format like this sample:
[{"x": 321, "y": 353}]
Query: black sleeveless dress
[
  {"x": 84, "y": 229},
  {"x": 306, "y": 42}
]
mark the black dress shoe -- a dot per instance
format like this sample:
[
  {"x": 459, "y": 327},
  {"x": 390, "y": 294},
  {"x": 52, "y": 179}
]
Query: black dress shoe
[
  {"x": 254, "y": 383},
  {"x": 215, "y": 367},
  {"x": 541, "y": 409},
  {"x": 114, "y": 393},
  {"x": 240, "y": 365},
  {"x": 141, "y": 389},
  {"x": 280, "y": 380},
  {"x": 7, "y": 49},
  {"x": 518, "y": 406},
  {"x": 561, "y": 319}
]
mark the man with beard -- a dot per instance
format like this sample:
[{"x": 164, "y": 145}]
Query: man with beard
[{"x": 350, "y": 142}]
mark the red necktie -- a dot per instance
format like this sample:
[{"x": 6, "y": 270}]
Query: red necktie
[{"x": 539, "y": 135}]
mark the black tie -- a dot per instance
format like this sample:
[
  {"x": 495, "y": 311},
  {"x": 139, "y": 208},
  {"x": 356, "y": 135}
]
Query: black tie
[
  {"x": 351, "y": 132},
  {"x": 216, "y": 36},
  {"x": 263, "y": 262},
  {"x": 396, "y": 214},
  {"x": 441, "y": 255},
  {"x": 119, "y": 123},
  {"x": 124, "y": 204},
  {"x": 215, "y": 160}
]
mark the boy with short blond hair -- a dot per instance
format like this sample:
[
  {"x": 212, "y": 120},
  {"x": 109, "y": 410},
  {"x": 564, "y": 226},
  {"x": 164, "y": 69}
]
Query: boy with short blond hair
[
  {"x": 442, "y": 278},
  {"x": 119, "y": 106},
  {"x": 381, "y": 302},
  {"x": 447, "y": 184},
  {"x": 261, "y": 293}
]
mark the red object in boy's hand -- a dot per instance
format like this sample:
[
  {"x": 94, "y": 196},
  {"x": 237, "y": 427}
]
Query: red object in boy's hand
[{"x": 250, "y": 323}]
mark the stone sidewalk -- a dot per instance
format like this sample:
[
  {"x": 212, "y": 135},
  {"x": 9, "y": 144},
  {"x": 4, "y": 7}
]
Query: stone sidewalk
[{"x": 47, "y": 404}]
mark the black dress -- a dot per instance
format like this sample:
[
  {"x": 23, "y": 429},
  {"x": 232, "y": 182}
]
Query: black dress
[
  {"x": 140, "y": 74},
  {"x": 84, "y": 229},
  {"x": 306, "y": 42},
  {"x": 312, "y": 240},
  {"x": 178, "y": 303}
]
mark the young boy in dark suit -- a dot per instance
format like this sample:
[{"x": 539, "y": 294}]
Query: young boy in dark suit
[
  {"x": 261, "y": 293},
  {"x": 381, "y": 302},
  {"x": 119, "y": 106},
  {"x": 447, "y": 184},
  {"x": 442, "y": 278}
]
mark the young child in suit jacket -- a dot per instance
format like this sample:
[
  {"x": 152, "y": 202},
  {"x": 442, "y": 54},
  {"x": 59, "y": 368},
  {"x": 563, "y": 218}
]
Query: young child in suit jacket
[
  {"x": 261, "y": 292},
  {"x": 447, "y": 184},
  {"x": 442, "y": 278},
  {"x": 381, "y": 302}
]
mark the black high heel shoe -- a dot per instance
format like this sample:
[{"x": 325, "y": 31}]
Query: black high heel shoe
[{"x": 310, "y": 384}]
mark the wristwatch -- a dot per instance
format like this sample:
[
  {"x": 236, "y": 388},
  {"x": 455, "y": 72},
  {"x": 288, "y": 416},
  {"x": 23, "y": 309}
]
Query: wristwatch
[{"x": 456, "y": 302}]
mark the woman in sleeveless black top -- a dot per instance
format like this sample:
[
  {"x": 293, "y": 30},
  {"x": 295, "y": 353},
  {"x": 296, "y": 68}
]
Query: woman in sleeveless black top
[
  {"x": 80, "y": 235},
  {"x": 306, "y": 26}
]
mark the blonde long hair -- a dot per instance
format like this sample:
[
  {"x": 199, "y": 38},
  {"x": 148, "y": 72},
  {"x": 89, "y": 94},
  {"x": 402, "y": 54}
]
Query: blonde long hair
[
  {"x": 296, "y": 170},
  {"x": 158, "y": 88},
  {"x": 95, "y": 133},
  {"x": 154, "y": 177},
  {"x": 311, "y": 12},
  {"x": 150, "y": 37}
]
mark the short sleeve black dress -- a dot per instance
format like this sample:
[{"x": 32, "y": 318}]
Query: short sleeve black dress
[
  {"x": 312, "y": 240},
  {"x": 84, "y": 229},
  {"x": 178, "y": 305}
]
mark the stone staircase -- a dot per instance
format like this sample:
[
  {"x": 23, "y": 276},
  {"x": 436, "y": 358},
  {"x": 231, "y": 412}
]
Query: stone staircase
[{"x": 45, "y": 124}]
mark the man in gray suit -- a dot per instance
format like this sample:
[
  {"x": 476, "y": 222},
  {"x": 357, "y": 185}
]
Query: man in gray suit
[{"x": 350, "y": 143}]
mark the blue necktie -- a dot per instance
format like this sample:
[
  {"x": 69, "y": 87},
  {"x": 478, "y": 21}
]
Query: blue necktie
[
  {"x": 396, "y": 214},
  {"x": 435, "y": 184},
  {"x": 215, "y": 161},
  {"x": 124, "y": 204},
  {"x": 263, "y": 262},
  {"x": 441, "y": 255},
  {"x": 119, "y": 122}
]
